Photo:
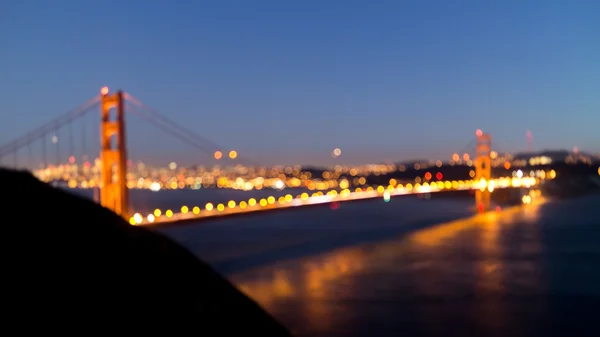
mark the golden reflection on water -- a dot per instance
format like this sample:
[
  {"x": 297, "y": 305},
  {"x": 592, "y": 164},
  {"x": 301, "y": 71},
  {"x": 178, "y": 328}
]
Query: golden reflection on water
[
  {"x": 309, "y": 280},
  {"x": 282, "y": 285},
  {"x": 310, "y": 285},
  {"x": 497, "y": 275},
  {"x": 492, "y": 262},
  {"x": 419, "y": 260},
  {"x": 436, "y": 235}
]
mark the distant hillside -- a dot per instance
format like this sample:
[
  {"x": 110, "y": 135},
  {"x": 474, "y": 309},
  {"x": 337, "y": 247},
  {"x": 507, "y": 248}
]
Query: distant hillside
[{"x": 555, "y": 155}]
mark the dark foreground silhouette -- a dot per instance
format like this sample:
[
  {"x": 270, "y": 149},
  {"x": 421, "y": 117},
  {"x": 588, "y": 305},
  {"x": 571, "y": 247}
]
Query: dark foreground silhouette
[{"x": 71, "y": 265}]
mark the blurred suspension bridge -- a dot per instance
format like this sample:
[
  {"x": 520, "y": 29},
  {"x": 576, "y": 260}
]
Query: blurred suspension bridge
[{"x": 107, "y": 169}]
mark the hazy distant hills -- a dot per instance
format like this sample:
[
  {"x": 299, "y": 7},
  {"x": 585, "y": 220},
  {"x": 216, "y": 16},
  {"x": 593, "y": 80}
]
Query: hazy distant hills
[{"x": 555, "y": 155}]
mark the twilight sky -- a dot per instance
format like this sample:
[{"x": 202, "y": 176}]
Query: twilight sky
[{"x": 288, "y": 81}]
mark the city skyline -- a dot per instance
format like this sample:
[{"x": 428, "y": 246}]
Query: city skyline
[{"x": 288, "y": 83}]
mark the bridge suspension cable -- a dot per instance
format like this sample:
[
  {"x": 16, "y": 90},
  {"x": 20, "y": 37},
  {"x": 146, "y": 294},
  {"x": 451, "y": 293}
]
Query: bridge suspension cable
[
  {"x": 469, "y": 148},
  {"x": 47, "y": 128},
  {"x": 182, "y": 132},
  {"x": 169, "y": 130}
]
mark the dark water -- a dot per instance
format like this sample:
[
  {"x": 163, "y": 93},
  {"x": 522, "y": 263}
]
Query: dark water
[
  {"x": 237, "y": 244},
  {"x": 386, "y": 269}
]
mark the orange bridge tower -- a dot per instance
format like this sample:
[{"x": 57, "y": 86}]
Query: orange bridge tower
[
  {"x": 113, "y": 154},
  {"x": 483, "y": 171}
]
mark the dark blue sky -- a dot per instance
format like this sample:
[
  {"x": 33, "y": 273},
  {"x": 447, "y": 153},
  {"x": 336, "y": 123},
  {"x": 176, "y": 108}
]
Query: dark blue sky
[{"x": 293, "y": 79}]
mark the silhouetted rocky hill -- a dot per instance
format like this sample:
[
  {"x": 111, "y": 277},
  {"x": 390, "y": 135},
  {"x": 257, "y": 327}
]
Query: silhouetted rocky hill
[{"x": 70, "y": 265}]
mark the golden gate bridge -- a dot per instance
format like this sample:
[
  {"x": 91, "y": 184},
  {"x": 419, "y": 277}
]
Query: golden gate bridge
[{"x": 111, "y": 167}]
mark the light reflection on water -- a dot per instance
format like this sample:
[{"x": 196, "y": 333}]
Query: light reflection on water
[
  {"x": 424, "y": 250},
  {"x": 236, "y": 244},
  {"x": 483, "y": 275}
]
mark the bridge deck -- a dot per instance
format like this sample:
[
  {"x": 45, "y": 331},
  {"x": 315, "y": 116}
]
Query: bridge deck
[{"x": 271, "y": 203}]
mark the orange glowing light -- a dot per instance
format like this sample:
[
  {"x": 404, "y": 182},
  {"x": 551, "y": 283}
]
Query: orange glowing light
[
  {"x": 104, "y": 91},
  {"x": 427, "y": 176},
  {"x": 507, "y": 165},
  {"x": 218, "y": 155},
  {"x": 479, "y": 133}
]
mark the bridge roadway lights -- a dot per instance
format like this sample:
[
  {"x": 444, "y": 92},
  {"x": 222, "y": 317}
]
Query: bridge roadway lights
[{"x": 158, "y": 217}]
